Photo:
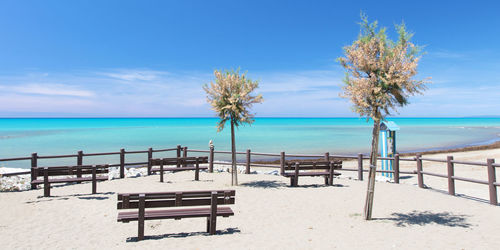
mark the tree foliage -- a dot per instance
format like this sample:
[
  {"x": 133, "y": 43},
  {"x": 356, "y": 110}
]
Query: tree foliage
[
  {"x": 379, "y": 71},
  {"x": 231, "y": 97}
]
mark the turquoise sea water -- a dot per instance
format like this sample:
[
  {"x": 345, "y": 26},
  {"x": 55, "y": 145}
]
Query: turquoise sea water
[{"x": 52, "y": 136}]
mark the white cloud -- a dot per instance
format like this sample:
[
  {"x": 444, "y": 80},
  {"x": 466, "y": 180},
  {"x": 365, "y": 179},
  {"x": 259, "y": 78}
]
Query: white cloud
[
  {"x": 162, "y": 93},
  {"x": 10, "y": 103},
  {"x": 446, "y": 54},
  {"x": 50, "y": 89},
  {"x": 135, "y": 75}
]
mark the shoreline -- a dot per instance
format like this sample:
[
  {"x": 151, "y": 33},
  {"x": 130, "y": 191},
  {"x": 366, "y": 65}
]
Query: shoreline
[
  {"x": 455, "y": 149},
  {"x": 431, "y": 151}
]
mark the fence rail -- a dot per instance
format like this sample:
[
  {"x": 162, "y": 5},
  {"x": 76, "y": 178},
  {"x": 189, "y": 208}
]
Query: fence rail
[{"x": 283, "y": 157}]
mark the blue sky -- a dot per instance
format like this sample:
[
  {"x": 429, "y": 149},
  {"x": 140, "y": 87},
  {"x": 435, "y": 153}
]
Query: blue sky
[{"x": 150, "y": 58}]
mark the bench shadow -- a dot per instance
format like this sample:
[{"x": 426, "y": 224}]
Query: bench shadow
[
  {"x": 318, "y": 186},
  {"x": 79, "y": 196},
  {"x": 264, "y": 184},
  {"x": 38, "y": 201},
  {"x": 93, "y": 198},
  {"x": 405, "y": 177},
  {"x": 58, "y": 185},
  {"x": 420, "y": 218},
  {"x": 204, "y": 181},
  {"x": 184, "y": 235}
]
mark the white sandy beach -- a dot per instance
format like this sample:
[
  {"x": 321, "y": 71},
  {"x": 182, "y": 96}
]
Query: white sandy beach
[{"x": 268, "y": 214}]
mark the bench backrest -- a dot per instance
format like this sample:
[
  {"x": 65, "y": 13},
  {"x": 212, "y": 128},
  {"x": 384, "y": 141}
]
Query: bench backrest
[
  {"x": 180, "y": 160},
  {"x": 175, "y": 199},
  {"x": 313, "y": 165},
  {"x": 71, "y": 170}
]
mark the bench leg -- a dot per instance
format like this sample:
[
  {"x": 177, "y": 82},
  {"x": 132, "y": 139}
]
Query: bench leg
[
  {"x": 161, "y": 172},
  {"x": 46, "y": 189},
  {"x": 292, "y": 181},
  {"x": 326, "y": 180},
  {"x": 197, "y": 171},
  {"x": 46, "y": 184},
  {"x": 213, "y": 222},
  {"x": 213, "y": 213},
  {"x": 140, "y": 221},
  {"x": 140, "y": 235},
  {"x": 208, "y": 224},
  {"x": 94, "y": 180}
]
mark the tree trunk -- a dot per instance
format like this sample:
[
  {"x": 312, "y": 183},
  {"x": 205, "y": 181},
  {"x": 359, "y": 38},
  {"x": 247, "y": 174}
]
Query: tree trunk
[
  {"x": 234, "y": 172},
  {"x": 373, "y": 170}
]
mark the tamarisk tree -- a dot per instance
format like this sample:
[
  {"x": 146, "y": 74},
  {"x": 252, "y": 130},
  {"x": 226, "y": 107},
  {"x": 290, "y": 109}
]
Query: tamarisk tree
[
  {"x": 379, "y": 79},
  {"x": 231, "y": 98}
]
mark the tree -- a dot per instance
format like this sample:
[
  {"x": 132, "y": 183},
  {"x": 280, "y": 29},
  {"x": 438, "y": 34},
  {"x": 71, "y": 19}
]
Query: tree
[
  {"x": 231, "y": 98},
  {"x": 379, "y": 79}
]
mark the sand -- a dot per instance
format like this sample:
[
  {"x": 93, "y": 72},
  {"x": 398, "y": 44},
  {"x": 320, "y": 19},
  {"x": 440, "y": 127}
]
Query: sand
[{"x": 268, "y": 215}]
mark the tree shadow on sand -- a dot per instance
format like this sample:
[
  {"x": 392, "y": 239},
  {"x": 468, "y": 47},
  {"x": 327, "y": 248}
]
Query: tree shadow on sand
[
  {"x": 264, "y": 184},
  {"x": 427, "y": 217},
  {"x": 279, "y": 184},
  {"x": 184, "y": 235}
]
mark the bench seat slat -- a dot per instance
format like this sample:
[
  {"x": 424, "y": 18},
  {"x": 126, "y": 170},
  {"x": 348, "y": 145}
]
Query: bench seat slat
[
  {"x": 62, "y": 180},
  {"x": 286, "y": 174},
  {"x": 182, "y": 160},
  {"x": 174, "y": 214},
  {"x": 178, "y": 169},
  {"x": 310, "y": 166},
  {"x": 66, "y": 172},
  {"x": 152, "y": 203},
  {"x": 171, "y": 195}
]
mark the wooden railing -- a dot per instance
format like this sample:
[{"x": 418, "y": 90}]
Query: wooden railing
[
  {"x": 282, "y": 156},
  {"x": 489, "y": 164},
  {"x": 79, "y": 156}
]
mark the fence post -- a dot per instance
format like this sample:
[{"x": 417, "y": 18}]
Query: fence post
[
  {"x": 360, "y": 166},
  {"x": 184, "y": 154},
  {"x": 122, "y": 163},
  {"x": 396, "y": 168},
  {"x": 451, "y": 173},
  {"x": 150, "y": 156},
  {"x": 211, "y": 160},
  {"x": 79, "y": 162},
  {"x": 327, "y": 156},
  {"x": 491, "y": 182},
  {"x": 420, "y": 176},
  {"x": 282, "y": 162},
  {"x": 248, "y": 162},
  {"x": 34, "y": 162},
  {"x": 178, "y": 154}
]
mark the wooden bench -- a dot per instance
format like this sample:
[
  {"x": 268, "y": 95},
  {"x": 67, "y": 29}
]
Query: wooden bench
[
  {"x": 293, "y": 170},
  {"x": 76, "y": 171},
  {"x": 180, "y": 163},
  {"x": 206, "y": 201}
]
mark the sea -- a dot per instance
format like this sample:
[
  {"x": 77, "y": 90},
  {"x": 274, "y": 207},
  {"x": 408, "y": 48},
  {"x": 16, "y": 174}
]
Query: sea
[{"x": 19, "y": 137}]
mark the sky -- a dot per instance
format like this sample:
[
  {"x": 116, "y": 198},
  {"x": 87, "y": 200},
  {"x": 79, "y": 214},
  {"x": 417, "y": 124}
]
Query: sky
[{"x": 151, "y": 58}]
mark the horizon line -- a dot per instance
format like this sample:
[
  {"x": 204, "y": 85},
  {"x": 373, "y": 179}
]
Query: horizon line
[{"x": 212, "y": 117}]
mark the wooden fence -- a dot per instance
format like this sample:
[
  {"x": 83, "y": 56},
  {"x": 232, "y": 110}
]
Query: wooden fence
[{"x": 418, "y": 159}]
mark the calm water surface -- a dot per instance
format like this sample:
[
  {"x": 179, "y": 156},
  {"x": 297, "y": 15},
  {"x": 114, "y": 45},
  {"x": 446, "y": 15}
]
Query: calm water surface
[{"x": 21, "y": 137}]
